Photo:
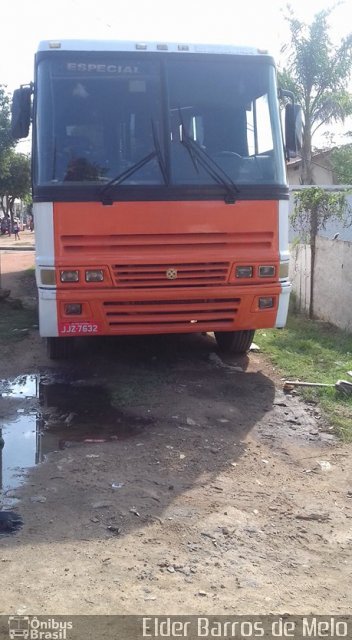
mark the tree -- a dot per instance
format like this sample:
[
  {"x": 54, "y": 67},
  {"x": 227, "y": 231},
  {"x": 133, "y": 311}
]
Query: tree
[
  {"x": 6, "y": 141},
  {"x": 314, "y": 207},
  {"x": 15, "y": 181},
  {"x": 341, "y": 160},
  {"x": 317, "y": 73}
]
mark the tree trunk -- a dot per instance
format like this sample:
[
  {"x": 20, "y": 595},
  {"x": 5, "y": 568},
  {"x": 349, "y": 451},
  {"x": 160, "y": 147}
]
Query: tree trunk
[
  {"x": 313, "y": 241},
  {"x": 306, "y": 153}
]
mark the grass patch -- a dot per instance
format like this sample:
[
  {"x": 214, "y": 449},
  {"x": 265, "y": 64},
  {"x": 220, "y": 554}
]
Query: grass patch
[
  {"x": 14, "y": 321},
  {"x": 313, "y": 351}
]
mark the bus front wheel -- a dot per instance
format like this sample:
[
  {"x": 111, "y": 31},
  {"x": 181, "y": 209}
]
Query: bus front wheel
[
  {"x": 59, "y": 348},
  {"x": 234, "y": 341}
]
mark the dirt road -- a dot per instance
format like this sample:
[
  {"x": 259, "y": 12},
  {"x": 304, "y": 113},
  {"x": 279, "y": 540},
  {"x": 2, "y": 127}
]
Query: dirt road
[{"x": 211, "y": 491}]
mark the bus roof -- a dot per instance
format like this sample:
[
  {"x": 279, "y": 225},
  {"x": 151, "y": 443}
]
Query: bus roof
[{"x": 172, "y": 47}]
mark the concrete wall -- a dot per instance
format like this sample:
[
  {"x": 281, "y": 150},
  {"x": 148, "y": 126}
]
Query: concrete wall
[
  {"x": 321, "y": 174},
  {"x": 300, "y": 275},
  {"x": 332, "y": 282},
  {"x": 345, "y": 233}
]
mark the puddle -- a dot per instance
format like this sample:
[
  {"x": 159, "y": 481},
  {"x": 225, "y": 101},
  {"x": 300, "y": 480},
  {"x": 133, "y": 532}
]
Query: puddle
[
  {"x": 21, "y": 450},
  {"x": 20, "y": 441},
  {"x": 65, "y": 414},
  {"x": 22, "y": 387},
  {"x": 80, "y": 411}
]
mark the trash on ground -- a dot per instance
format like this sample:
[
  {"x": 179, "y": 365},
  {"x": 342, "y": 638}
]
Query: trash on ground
[
  {"x": 324, "y": 465},
  {"x": 342, "y": 386},
  {"x": 117, "y": 485},
  {"x": 38, "y": 499},
  {"x": 318, "y": 517},
  {"x": 134, "y": 510},
  {"x": 254, "y": 347},
  {"x": 101, "y": 505},
  {"x": 115, "y": 530},
  {"x": 65, "y": 444}
]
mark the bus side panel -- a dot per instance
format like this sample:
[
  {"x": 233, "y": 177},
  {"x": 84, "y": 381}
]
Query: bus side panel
[
  {"x": 286, "y": 286},
  {"x": 45, "y": 258}
]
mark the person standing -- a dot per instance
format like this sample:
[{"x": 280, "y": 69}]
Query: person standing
[{"x": 16, "y": 229}]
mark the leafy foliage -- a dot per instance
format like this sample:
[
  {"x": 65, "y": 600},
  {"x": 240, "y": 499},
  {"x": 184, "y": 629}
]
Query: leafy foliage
[
  {"x": 317, "y": 72},
  {"x": 15, "y": 180},
  {"x": 314, "y": 207},
  {"x": 341, "y": 160},
  {"x": 15, "y": 171},
  {"x": 6, "y": 140}
]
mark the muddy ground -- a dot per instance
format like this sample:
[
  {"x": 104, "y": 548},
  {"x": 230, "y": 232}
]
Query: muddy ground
[{"x": 211, "y": 491}]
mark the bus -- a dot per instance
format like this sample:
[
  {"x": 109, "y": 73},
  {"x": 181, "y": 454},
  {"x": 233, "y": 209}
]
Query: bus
[{"x": 160, "y": 197}]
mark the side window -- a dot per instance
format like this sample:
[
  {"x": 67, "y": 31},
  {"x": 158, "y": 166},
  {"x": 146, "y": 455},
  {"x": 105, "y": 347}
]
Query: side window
[
  {"x": 259, "y": 133},
  {"x": 197, "y": 129}
]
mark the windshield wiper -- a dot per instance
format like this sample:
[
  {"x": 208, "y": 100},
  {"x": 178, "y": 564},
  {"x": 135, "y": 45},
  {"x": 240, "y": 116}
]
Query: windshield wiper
[
  {"x": 124, "y": 175},
  {"x": 156, "y": 153},
  {"x": 220, "y": 176},
  {"x": 159, "y": 154}
]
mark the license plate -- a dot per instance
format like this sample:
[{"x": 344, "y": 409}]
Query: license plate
[{"x": 79, "y": 328}]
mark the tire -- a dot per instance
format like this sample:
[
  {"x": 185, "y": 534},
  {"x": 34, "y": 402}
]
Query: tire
[
  {"x": 234, "y": 341},
  {"x": 59, "y": 348}
]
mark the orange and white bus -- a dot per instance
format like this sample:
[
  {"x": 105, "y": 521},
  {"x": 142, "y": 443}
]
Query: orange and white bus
[{"x": 159, "y": 190}]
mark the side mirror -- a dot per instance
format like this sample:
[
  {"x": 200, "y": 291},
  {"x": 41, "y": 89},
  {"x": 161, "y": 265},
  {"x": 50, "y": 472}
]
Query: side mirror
[
  {"x": 21, "y": 112},
  {"x": 293, "y": 129}
]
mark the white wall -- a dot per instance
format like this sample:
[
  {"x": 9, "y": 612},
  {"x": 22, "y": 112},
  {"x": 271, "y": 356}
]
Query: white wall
[{"x": 332, "y": 281}]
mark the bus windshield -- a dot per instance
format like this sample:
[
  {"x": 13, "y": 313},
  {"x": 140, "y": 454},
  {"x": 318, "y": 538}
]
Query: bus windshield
[{"x": 99, "y": 116}]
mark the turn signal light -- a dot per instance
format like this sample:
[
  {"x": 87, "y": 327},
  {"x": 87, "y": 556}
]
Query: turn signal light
[
  {"x": 266, "y": 303},
  {"x": 284, "y": 266},
  {"x": 47, "y": 277},
  {"x": 73, "y": 309}
]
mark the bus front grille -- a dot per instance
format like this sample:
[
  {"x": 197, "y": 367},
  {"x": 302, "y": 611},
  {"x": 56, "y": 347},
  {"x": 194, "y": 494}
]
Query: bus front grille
[
  {"x": 171, "y": 315},
  {"x": 148, "y": 244},
  {"x": 166, "y": 275}
]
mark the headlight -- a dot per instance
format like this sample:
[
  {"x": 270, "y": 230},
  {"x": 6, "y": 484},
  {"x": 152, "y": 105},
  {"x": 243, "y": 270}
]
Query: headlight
[
  {"x": 244, "y": 272},
  {"x": 69, "y": 276},
  {"x": 266, "y": 271},
  {"x": 95, "y": 275}
]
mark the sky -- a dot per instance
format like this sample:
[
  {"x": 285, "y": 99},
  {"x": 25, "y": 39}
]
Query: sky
[{"x": 258, "y": 23}]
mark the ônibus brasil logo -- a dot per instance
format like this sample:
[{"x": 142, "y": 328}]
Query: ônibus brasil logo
[{"x": 31, "y": 628}]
